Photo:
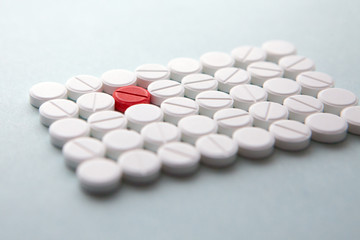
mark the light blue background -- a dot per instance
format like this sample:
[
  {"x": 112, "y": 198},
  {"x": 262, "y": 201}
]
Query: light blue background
[{"x": 314, "y": 194}]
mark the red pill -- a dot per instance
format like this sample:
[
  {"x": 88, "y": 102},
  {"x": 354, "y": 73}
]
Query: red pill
[{"x": 130, "y": 95}]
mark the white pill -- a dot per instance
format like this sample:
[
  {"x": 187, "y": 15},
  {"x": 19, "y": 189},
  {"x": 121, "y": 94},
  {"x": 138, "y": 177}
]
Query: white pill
[
  {"x": 45, "y": 91},
  {"x": 294, "y": 65},
  {"x": 280, "y": 88},
  {"x": 178, "y": 158},
  {"x": 140, "y": 166},
  {"x": 81, "y": 149},
  {"x": 246, "y": 55},
  {"x": 99, "y": 175},
  {"x": 163, "y": 89},
  {"x": 121, "y": 140},
  {"x": 352, "y": 117},
  {"x": 231, "y": 119},
  {"x": 245, "y": 95},
  {"x": 277, "y": 49},
  {"x": 265, "y": 113},
  {"x": 106, "y": 121},
  {"x": 66, "y": 129},
  {"x": 290, "y": 135},
  {"x": 90, "y": 103},
  {"x": 196, "y": 83},
  {"x": 262, "y": 71},
  {"x": 336, "y": 99},
  {"x": 56, "y": 109},
  {"x": 230, "y": 77},
  {"x": 254, "y": 142},
  {"x": 148, "y": 73},
  {"x": 213, "y": 61},
  {"x": 116, "y": 78},
  {"x": 178, "y": 107},
  {"x": 180, "y": 67},
  {"x": 301, "y": 106},
  {"x": 82, "y": 84},
  {"x": 212, "y": 101},
  {"x": 195, "y": 126},
  {"x": 327, "y": 127},
  {"x": 313, "y": 82},
  {"x": 141, "y": 114}
]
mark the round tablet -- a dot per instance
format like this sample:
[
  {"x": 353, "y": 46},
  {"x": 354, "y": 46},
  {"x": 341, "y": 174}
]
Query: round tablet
[
  {"x": 231, "y": 119},
  {"x": 196, "y": 83},
  {"x": 245, "y": 95},
  {"x": 99, "y": 175},
  {"x": 254, "y": 142},
  {"x": 246, "y": 55},
  {"x": 301, "y": 106},
  {"x": 280, "y": 88},
  {"x": 140, "y": 166},
  {"x": 45, "y": 91},
  {"x": 130, "y": 95},
  {"x": 211, "y": 101},
  {"x": 336, "y": 99},
  {"x": 265, "y": 113},
  {"x": 352, "y": 117},
  {"x": 313, "y": 82},
  {"x": 277, "y": 49},
  {"x": 212, "y": 61},
  {"x": 230, "y": 77},
  {"x": 294, "y": 65},
  {"x": 82, "y": 84},
  {"x": 80, "y": 149},
  {"x": 180, "y": 67},
  {"x": 195, "y": 126},
  {"x": 106, "y": 121},
  {"x": 56, "y": 109},
  {"x": 66, "y": 129},
  {"x": 141, "y": 114},
  {"x": 262, "y": 71},
  {"x": 290, "y": 135},
  {"x": 163, "y": 89},
  {"x": 116, "y": 78},
  {"x": 327, "y": 127},
  {"x": 94, "y": 102},
  {"x": 178, "y": 107},
  {"x": 120, "y": 141},
  {"x": 178, "y": 158},
  {"x": 148, "y": 73}
]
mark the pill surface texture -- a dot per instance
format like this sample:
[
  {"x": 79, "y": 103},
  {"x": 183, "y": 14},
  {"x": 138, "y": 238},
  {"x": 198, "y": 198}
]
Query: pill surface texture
[
  {"x": 116, "y": 78},
  {"x": 230, "y": 77},
  {"x": 231, "y": 119},
  {"x": 163, "y": 89},
  {"x": 247, "y": 94},
  {"x": 56, "y": 109},
  {"x": 313, "y": 82},
  {"x": 301, "y": 106},
  {"x": 280, "y": 88},
  {"x": 276, "y": 49},
  {"x": 178, "y": 107},
  {"x": 94, "y": 102},
  {"x": 141, "y": 114},
  {"x": 211, "y": 101},
  {"x": 294, "y": 65},
  {"x": 212, "y": 61},
  {"x": 44, "y": 91},
  {"x": 106, "y": 121},
  {"x": 262, "y": 71},
  {"x": 196, "y": 83},
  {"x": 195, "y": 126},
  {"x": 82, "y": 84},
  {"x": 336, "y": 99},
  {"x": 265, "y": 113},
  {"x": 246, "y": 55},
  {"x": 148, "y": 73},
  {"x": 180, "y": 67},
  {"x": 352, "y": 117},
  {"x": 130, "y": 95}
]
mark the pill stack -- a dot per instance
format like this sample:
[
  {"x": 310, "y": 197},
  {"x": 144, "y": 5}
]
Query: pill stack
[{"x": 131, "y": 125}]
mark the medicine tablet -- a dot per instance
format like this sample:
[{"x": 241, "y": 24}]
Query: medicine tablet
[
  {"x": 231, "y": 119},
  {"x": 277, "y": 49},
  {"x": 66, "y": 129},
  {"x": 196, "y": 83},
  {"x": 290, "y": 135},
  {"x": 336, "y": 99},
  {"x": 130, "y": 95},
  {"x": 327, "y": 127},
  {"x": 148, "y": 73},
  {"x": 121, "y": 140},
  {"x": 211, "y": 101},
  {"x": 352, "y": 116},
  {"x": 81, "y": 149},
  {"x": 301, "y": 106},
  {"x": 180, "y": 67},
  {"x": 179, "y": 158},
  {"x": 280, "y": 88},
  {"x": 313, "y": 82},
  {"x": 254, "y": 142},
  {"x": 195, "y": 126},
  {"x": 94, "y": 102},
  {"x": 230, "y": 77},
  {"x": 45, "y": 91},
  {"x": 262, "y": 71},
  {"x": 106, "y": 121},
  {"x": 82, "y": 84},
  {"x": 116, "y": 78},
  {"x": 178, "y": 107},
  {"x": 163, "y": 89},
  {"x": 56, "y": 109},
  {"x": 141, "y": 114},
  {"x": 246, "y": 55},
  {"x": 158, "y": 133},
  {"x": 212, "y": 61},
  {"x": 245, "y": 95},
  {"x": 140, "y": 166},
  {"x": 294, "y": 65},
  {"x": 265, "y": 113}
]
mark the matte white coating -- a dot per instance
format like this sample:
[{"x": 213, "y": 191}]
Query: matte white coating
[
  {"x": 262, "y": 71},
  {"x": 231, "y": 119},
  {"x": 211, "y": 101},
  {"x": 336, "y": 99},
  {"x": 141, "y": 114},
  {"x": 90, "y": 103},
  {"x": 276, "y": 49},
  {"x": 352, "y": 117},
  {"x": 56, "y": 109},
  {"x": 197, "y": 82},
  {"x": 45, "y": 91},
  {"x": 265, "y": 113},
  {"x": 82, "y": 84},
  {"x": 116, "y": 78},
  {"x": 148, "y": 73},
  {"x": 105, "y": 121},
  {"x": 247, "y": 94},
  {"x": 163, "y": 89},
  {"x": 246, "y": 55},
  {"x": 212, "y": 61},
  {"x": 180, "y": 67},
  {"x": 230, "y": 77},
  {"x": 178, "y": 107},
  {"x": 301, "y": 106},
  {"x": 313, "y": 82},
  {"x": 294, "y": 65},
  {"x": 195, "y": 126},
  {"x": 280, "y": 88}
]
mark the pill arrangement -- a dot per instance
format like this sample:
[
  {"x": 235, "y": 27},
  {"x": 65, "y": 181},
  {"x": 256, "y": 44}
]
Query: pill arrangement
[{"x": 131, "y": 125}]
